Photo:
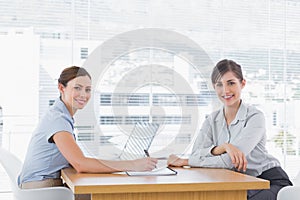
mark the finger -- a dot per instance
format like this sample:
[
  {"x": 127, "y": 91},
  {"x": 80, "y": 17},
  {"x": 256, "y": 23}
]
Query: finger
[
  {"x": 154, "y": 160},
  {"x": 233, "y": 160},
  {"x": 243, "y": 160},
  {"x": 241, "y": 165},
  {"x": 245, "y": 164},
  {"x": 151, "y": 166}
]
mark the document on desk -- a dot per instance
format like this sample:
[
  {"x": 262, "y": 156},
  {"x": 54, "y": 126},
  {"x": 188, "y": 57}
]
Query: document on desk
[{"x": 166, "y": 171}]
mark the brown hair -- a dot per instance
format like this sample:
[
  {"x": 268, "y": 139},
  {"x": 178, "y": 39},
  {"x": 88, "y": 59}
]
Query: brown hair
[
  {"x": 70, "y": 73},
  {"x": 225, "y": 66}
]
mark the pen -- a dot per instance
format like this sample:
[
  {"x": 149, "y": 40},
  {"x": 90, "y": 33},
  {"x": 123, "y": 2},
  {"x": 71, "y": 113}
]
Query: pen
[{"x": 147, "y": 153}]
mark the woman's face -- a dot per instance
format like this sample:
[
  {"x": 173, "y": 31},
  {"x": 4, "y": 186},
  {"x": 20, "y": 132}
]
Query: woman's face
[
  {"x": 229, "y": 89},
  {"x": 77, "y": 93}
]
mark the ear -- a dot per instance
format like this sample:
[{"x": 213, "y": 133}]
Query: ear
[
  {"x": 61, "y": 88},
  {"x": 243, "y": 83}
]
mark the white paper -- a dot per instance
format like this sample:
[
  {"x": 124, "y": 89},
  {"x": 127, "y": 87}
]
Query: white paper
[{"x": 156, "y": 172}]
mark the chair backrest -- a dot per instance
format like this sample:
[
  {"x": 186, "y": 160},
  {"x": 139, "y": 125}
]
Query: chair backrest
[
  {"x": 289, "y": 193},
  {"x": 13, "y": 165},
  {"x": 296, "y": 180}
]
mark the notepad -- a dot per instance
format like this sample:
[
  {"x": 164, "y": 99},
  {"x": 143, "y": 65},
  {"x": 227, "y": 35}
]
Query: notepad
[{"x": 156, "y": 172}]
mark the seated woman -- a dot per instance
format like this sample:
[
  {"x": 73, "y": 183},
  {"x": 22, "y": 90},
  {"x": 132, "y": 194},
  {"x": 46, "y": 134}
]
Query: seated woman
[
  {"x": 53, "y": 146},
  {"x": 234, "y": 136}
]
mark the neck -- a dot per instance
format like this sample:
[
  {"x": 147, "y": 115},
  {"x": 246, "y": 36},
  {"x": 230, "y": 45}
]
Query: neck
[
  {"x": 71, "y": 111},
  {"x": 69, "y": 107},
  {"x": 230, "y": 112}
]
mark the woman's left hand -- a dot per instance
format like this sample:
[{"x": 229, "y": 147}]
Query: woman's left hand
[
  {"x": 175, "y": 161},
  {"x": 237, "y": 157}
]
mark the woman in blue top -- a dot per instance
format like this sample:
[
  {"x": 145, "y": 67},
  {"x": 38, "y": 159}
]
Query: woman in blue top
[
  {"x": 53, "y": 146},
  {"x": 234, "y": 137}
]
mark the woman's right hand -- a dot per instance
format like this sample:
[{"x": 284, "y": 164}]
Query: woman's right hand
[{"x": 144, "y": 164}]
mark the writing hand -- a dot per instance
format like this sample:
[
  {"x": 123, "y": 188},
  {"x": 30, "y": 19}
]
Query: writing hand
[{"x": 144, "y": 164}]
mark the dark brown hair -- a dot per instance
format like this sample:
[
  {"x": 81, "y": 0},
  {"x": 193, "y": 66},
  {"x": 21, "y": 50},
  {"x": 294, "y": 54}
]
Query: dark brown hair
[
  {"x": 225, "y": 66},
  {"x": 70, "y": 73}
]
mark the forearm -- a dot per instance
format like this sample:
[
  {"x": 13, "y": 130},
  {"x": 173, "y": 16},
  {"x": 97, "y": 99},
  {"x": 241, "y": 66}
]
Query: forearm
[
  {"x": 218, "y": 150},
  {"x": 91, "y": 165},
  {"x": 237, "y": 157},
  {"x": 219, "y": 161},
  {"x": 209, "y": 156},
  {"x": 106, "y": 166}
]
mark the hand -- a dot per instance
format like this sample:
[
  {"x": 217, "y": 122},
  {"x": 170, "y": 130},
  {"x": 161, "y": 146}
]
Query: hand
[
  {"x": 237, "y": 157},
  {"x": 174, "y": 160},
  {"x": 144, "y": 164}
]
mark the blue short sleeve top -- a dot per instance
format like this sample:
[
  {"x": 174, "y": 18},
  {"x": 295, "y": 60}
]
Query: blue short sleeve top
[{"x": 43, "y": 159}]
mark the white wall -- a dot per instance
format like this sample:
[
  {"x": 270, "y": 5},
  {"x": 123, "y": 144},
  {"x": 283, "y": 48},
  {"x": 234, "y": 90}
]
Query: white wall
[{"x": 19, "y": 50}]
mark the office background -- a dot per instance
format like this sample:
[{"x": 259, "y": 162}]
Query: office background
[{"x": 40, "y": 38}]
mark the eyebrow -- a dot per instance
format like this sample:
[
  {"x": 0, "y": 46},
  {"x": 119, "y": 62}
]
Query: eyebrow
[
  {"x": 226, "y": 81},
  {"x": 81, "y": 85},
  {"x": 230, "y": 80}
]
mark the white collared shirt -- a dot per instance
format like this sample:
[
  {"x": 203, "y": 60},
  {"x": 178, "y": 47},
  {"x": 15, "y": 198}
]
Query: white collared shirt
[{"x": 247, "y": 132}]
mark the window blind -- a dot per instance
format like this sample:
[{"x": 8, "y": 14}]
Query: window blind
[{"x": 261, "y": 35}]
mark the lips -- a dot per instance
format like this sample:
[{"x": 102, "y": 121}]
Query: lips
[
  {"x": 80, "y": 101},
  {"x": 228, "y": 96}
]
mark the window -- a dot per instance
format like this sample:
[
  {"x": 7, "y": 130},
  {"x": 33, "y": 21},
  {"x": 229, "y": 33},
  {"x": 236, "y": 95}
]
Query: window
[
  {"x": 274, "y": 119},
  {"x": 42, "y": 42},
  {"x": 51, "y": 102},
  {"x": 84, "y": 53}
]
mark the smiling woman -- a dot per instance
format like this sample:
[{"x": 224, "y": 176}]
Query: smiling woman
[
  {"x": 53, "y": 146},
  {"x": 234, "y": 136},
  {"x": 75, "y": 88}
]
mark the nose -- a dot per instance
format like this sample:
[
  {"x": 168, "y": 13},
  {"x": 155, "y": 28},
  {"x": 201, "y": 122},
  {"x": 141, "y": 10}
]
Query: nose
[
  {"x": 225, "y": 88},
  {"x": 83, "y": 93}
]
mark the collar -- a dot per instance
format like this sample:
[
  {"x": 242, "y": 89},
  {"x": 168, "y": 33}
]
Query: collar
[
  {"x": 60, "y": 105},
  {"x": 240, "y": 115}
]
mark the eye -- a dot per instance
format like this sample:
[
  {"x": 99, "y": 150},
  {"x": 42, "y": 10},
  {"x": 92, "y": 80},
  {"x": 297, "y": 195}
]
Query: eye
[
  {"x": 219, "y": 84},
  {"x": 231, "y": 83},
  {"x": 77, "y": 88},
  {"x": 88, "y": 90}
]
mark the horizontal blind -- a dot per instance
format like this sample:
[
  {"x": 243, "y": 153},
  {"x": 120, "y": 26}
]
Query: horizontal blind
[{"x": 261, "y": 35}]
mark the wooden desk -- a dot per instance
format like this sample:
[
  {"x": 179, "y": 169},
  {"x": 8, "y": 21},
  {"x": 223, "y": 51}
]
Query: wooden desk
[{"x": 193, "y": 183}]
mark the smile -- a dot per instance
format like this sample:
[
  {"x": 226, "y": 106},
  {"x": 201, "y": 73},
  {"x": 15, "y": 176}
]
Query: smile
[
  {"x": 228, "y": 96},
  {"x": 80, "y": 101}
]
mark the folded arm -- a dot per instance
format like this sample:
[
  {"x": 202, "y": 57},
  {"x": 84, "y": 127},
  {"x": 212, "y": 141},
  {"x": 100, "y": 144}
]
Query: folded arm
[{"x": 227, "y": 155}]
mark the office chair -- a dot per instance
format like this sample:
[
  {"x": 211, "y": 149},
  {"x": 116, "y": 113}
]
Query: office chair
[
  {"x": 290, "y": 192},
  {"x": 13, "y": 165}
]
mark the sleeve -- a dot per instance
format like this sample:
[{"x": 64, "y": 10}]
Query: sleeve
[
  {"x": 201, "y": 153},
  {"x": 56, "y": 124},
  {"x": 251, "y": 134}
]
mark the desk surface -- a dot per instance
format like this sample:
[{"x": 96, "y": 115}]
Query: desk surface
[{"x": 193, "y": 179}]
